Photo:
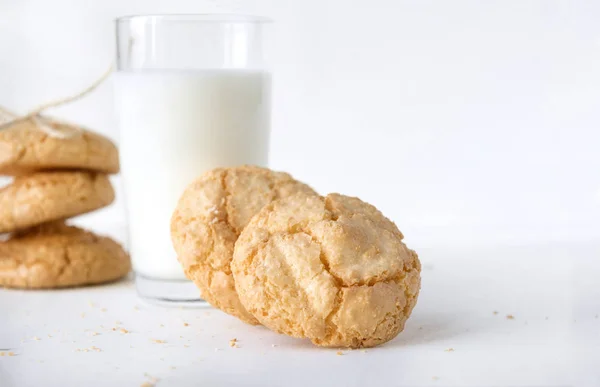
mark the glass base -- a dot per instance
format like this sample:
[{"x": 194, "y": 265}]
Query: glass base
[{"x": 163, "y": 292}]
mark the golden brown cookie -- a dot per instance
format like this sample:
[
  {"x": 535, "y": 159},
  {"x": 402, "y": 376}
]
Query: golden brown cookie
[
  {"x": 25, "y": 149},
  {"x": 55, "y": 255},
  {"x": 208, "y": 219},
  {"x": 332, "y": 269},
  {"x": 46, "y": 196}
]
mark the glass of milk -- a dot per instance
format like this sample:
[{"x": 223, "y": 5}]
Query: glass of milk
[{"x": 192, "y": 94}]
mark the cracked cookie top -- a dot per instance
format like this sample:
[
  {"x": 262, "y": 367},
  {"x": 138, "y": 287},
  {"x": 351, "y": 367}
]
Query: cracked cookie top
[
  {"x": 25, "y": 149},
  {"x": 55, "y": 255},
  {"x": 332, "y": 269},
  {"x": 209, "y": 217},
  {"x": 47, "y": 196}
]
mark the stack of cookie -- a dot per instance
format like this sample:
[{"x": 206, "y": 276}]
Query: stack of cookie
[
  {"x": 55, "y": 179},
  {"x": 269, "y": 250}
]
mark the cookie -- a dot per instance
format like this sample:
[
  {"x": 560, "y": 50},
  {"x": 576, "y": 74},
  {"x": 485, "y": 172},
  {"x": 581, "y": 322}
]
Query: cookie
[
  {"x": 211, "y": 214},
  {"x": 55, "y": 255},
  {"x": 332, "y": 269},
  {"x": 46, "y": 196},
  {"x": 24, "y": 148}
]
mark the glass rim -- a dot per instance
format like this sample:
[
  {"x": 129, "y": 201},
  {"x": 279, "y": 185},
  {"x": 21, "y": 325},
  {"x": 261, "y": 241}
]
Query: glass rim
[{"x": 199, "y": 17}]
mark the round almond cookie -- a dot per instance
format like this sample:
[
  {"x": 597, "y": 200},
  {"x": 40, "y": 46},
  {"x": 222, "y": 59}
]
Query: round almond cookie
[
  {"x": 24, "y": 148},
  {"x": 208, "y": 219},
  {"x": 332, "y": 269},
  {"x": 46, "y": 196},
  {"x": 55, "y": 255}
]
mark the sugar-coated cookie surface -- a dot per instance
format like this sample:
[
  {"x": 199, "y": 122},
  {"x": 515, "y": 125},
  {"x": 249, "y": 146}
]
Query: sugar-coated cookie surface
[
  {"x": 46, "y": 196},
  {"x": 208, "y": 219},
  {"x": 55, "y": 255},
  {"x": 25, "y": 149},
  {"x": 332, "y": 269}
]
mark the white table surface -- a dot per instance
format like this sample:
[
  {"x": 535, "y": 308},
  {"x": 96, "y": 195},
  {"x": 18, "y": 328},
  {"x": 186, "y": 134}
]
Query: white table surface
[{"x": 553, "y": 292}]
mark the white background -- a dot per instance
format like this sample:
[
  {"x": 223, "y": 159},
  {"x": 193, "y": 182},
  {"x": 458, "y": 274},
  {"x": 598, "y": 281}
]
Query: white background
[
  {"x": 472, "y": 124},
  {"x": 466, "y": 122}
]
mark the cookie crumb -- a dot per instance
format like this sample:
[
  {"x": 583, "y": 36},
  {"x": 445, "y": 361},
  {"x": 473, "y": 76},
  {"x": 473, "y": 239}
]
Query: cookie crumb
[
  {"x": 159, "y": 341},
  {"x": 510, "y": 317},
  {"x": 35, "y": 338},
  {"x": 450, "y": 350},
  {"x": 495, "y": 312},
  {"x": 124, "y": 331},
  {"x": 232, "y": 342},
  {"x": 2, "y": 353},
  {"x": 49, "y": 336},
  {"x": 364, "y": 351},
  {"x": 162, "y": 325},
  {"x": 11, "y": 354},
  {"x": 186, "y": 324},
  {"x": 95, "y": 333},
  {"x": 114, "y": 329},
  {"x": 151, "y": 383},
  {"x": 90, "y": 349},
  {"x": 339, "y": 353},
  {"x": 152, "y": 378}
]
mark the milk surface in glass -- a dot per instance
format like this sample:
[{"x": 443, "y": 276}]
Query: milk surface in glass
[{"x": 175, "y": 125}]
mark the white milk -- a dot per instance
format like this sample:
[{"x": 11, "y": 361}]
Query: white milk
[{"x": 174, "y": 126}]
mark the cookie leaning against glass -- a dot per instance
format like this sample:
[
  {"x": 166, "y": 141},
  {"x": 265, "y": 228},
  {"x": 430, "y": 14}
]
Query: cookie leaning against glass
[
  {"x": 210, "y": 216},
  {"x": 332, "y": 269}
]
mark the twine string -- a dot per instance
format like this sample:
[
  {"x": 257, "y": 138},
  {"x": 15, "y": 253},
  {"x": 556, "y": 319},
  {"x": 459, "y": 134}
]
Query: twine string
[{"x": 46, "y": 124}]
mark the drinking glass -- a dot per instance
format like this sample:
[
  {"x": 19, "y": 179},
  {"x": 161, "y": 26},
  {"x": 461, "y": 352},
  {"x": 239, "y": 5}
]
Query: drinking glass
[{"x": 192, "y": 94}]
